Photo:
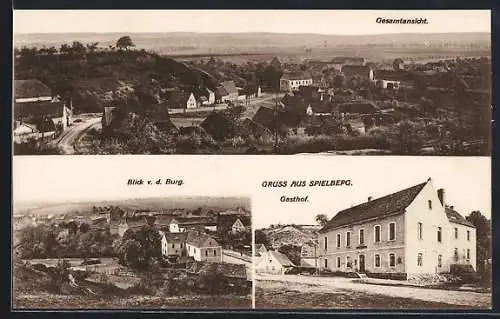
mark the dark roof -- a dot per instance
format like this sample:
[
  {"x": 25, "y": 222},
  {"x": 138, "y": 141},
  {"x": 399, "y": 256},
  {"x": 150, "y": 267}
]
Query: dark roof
[
  {"x": 133, "y": 222},
  {"x": 444, "y": 80},
  {"x": 321, "y": 107},
  {"x": 249, "y": 127},
  {"x": 356, "y": 70},
  {"x": 358, "y": 107},
  {"x": 286, "y": 119},
  {"x": 224, "y": 269},
  {"x": 296, "y": 76},
  {"x": 177, "y": 99},
  {"x": 36, "y": 109},
  {"x": 225, "y": 222},
  {"x": 175, "y": 237},
  {"x": 455, "y": 217},
  {"x": 30, "y": 88},
  {"x": 199, "y": 239},
  {"x": 230, "y": 87},
  {"x": 163, "y": 220},
  {"x": 392, "y": 204},
  {"x": 220, "y": 91},
  {"x": 190, "y": 220},
  {"x": 391, "y": 75},
  {"x": 218, "y": 126}
]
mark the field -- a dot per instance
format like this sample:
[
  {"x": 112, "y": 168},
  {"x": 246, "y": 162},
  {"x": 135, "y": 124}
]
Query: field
[{"x": 342, "y": 293}]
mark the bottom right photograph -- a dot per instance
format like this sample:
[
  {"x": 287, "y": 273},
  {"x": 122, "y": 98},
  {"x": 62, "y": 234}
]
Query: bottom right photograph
[{"x": 407, "y": 242}]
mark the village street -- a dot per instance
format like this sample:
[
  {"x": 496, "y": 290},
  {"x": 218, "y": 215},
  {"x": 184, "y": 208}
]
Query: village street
[
  {"x": 66, "y": 142},
  {"x": 336, "y": 285}
]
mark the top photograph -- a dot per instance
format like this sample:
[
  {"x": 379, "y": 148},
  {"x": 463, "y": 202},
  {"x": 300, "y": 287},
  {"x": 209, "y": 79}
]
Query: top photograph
[{"x": 252, "y": 82}]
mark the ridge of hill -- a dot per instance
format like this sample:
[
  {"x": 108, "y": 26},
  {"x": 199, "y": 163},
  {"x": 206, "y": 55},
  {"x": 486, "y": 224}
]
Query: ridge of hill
[{"x": 295, "y": 235}]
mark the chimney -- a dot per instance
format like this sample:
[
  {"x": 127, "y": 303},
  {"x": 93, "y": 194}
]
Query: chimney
[
  {"x": 441, "y": 196},
  {"x": 370, "y": 198}
]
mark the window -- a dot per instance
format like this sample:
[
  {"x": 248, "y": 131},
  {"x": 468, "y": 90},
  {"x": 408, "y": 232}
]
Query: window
[
  {"x": 173, "y": 245},
  {"x": 456, "y": 232},
  {"x": 392, "y": 231},
  {"x": 181, "y": 245},
  {"x": 420, "y": 260},
  {"x": 215, "y": 252},
  {"x": 377, "y": 261},
  {"x": 419, "y": 230},
  {"x": 326, "y": 263},
  {"x": 348, "y": 239},
  {"x": 348, "y": 262},
  {"x": 468, "y": 253},
  {"x": 338, "y": 240},
  {"x": 206, "y": 253},
  {"x": 440, "y": 261},
  {"x": 338, "y": 262},
  {"x": 468, "y": 235},
  {"x": 392, "y": 260},
  {"x": 455, "y": 254},
  {"x": 439, "y": 234},
  {"x": 361, "y": 236},
  {"x": 429, "y": 202},
  {"x": 377, "y": 234},
  {"x": 326, "y": 243}
]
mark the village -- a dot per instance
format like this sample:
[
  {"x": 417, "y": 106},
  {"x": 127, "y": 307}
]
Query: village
[
  {"x": 344, "y": 105},
  {"x": 384, "y": 242},
  {"x": 115, "y": 251}
]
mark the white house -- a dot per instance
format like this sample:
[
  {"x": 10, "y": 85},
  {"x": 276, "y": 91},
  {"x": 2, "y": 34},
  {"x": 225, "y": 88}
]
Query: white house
[
  {"x": 292, "y": 81},
  {"x": 273, "y": 262},
  {"x": 173, "y": 244},
  {"x": 408, "y": 232},
  {"x": 203, "y": 247}
]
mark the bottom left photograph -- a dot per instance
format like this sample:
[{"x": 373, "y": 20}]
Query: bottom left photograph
[{"x": 148, "y": 253}]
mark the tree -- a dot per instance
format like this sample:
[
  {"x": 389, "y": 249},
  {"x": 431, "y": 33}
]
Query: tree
[
  {"x": 339, "y": 81},
  {"x": 261, "y": 238},
  {"x": 84, "y": 227},
  {"x": 396, "y": 64},
  {"x": 59, "y": 275},
  {"x": 292, "y": 252},
  {"x": 321, "y": 219},
  {"x": 483, "y": 237},
  {"x": 125, "y": 42},
  {"x": 130, "y": 253}
]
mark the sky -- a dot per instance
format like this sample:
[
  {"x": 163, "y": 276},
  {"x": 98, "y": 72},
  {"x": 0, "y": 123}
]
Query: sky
[
  {"x": 466, "y": 180},
  {"x": 347, "y": 22}
]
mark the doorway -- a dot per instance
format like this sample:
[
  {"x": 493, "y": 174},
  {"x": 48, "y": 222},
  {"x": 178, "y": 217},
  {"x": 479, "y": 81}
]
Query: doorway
[{"x": 362, "y": 263}]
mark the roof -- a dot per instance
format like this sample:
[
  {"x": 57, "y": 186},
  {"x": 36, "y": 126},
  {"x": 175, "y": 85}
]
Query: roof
[
  {"x": 455, "y": 217},
  {"x": 392, "y": 204},
  {"x": 319, "y": 107},
  {"x": 286, "y": 119},
  {"x": 198, "y": 239},
  {"x": 30, "y": 88},
  {"x": 250, "y": 127},
  {"x": 358, "y": 107},
  {"x": 260, "y": 246},
  {"x": 296, "y": 76},
  {"x": 175, "y": 237},
  {"x": 391, "y": 75},
  {"x": 229, "y": 86},
  {"x": 163, "y": 220},
  {"x": 225, "y": 269},
  {"x": 355, "y": 69},
  {"x": 225, "y": 222},
  {"x": 190, "y": 220},
  {"x": 34, "y": 109},
  {"x": 133, "y": 222},
  {"x": 178, "y": 99},
  {"x": 220, "y": 91},
  {"x": 281, "y": 258},
  {"x": 217, "y": 125}
]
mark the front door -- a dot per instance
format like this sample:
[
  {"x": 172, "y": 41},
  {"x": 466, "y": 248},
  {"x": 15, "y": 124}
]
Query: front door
[{"x": 361, "y": 263}]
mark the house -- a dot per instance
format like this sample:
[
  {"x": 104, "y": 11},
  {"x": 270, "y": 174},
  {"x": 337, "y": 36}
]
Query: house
[
  {"x": 231, "y": 89},
  {"x": 99, "y": 222},
  {"x": 309, "y": 255},
  {"x": 232, "y": 223},
  {"x": 409, "y": 232},
  {"x": 362, "y": 71},
  {"x": 162, "y": 221},
  {"x": 250, "y": 128},
  {"x": 389, "y": 79},
  {"x": 284, "y": 121},
  {"x": 173, "y": 244},
  {"x": 33, "y": 100},
  {"x": 236, "y": 277},
  {"x": 181, "y": 100},
  {"x": 203, "y": 247},
  {"x": 182, "y": 224},
  {"x": 273, "y": 262},
  {"x": 217, "y": 125},
  {"x": 221, "y": 95},
  {"x": 133, "y": 223},
  {"x": 319, "y": 109},
  {"x": 292, "y": 81}
]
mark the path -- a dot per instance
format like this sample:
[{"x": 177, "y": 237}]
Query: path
[
  {"x": 331, "y": 284},
  {"x": 66, "y": 142}
]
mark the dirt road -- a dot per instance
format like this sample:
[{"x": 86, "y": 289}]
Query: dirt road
[
  {"x": 306, "y": 284},
  {"x": 66, "y": 142}
]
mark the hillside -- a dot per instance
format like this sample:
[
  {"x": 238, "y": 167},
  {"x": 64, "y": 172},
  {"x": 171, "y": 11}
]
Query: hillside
[
  {"x": 216, "y": 204},
  {"x": 288, "y": 235}
]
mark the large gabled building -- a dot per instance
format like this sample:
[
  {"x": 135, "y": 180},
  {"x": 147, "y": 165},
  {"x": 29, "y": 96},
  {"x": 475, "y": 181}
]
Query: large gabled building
[{"x": 409, "y": 232}]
